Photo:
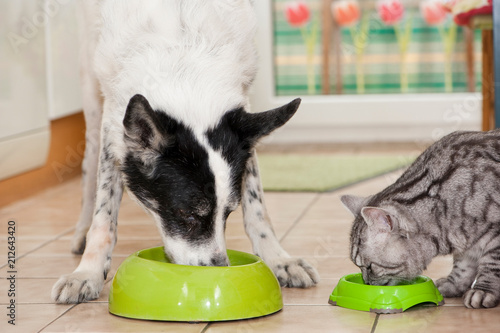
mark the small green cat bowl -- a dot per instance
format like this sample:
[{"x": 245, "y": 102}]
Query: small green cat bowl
[
  {"x": 148, "y": 286},
  {"x": 351, "y": 292}
]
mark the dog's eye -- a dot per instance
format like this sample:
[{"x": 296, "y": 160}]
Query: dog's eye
[
  {"x": 185, "y": 214},
  {"x": 202, "y": 208},
  {"x": 188, "y": 216}
]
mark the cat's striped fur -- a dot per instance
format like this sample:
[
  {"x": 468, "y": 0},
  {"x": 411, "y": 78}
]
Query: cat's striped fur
[{"x": 446, "y": 202}]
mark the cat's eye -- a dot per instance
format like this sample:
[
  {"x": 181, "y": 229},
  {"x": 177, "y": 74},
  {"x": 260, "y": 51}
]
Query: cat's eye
[
  {"x": 376, "y": 269},
  {"x": 387, "y": 266},
  {"x": 369, "y": 267},
  {"x": 379, "y": 270}
]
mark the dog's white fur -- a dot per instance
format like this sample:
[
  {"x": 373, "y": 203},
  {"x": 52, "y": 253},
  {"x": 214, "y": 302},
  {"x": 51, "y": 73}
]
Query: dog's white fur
[{"x": 184, "y": 61}]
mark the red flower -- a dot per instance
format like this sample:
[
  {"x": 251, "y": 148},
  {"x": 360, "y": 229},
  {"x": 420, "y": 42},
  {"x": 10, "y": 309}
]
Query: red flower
[
  {"x": 465, "y": 10},
  {"x": 433, "y": 11},
  {"x": 297, "y": 13},
  {"x": 390, "y": 11},
  {"x": 346, "y": 12}
]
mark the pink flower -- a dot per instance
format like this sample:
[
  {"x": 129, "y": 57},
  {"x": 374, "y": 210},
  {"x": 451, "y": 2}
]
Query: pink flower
[
  {"x": 433, "y": 11},
  {"x": 297, "y": 13},
  {"x": 390, "y": 11},
  {"x": 448, "y": 5},
  {"x": 346, "y": 12}
]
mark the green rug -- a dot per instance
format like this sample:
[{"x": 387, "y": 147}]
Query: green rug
[{"x": 323, "y": 172}]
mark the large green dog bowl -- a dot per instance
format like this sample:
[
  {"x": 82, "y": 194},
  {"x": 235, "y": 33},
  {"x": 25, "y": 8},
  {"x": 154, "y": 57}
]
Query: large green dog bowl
[
  {"x": 351, "y": 292},
  {"x": 148, "y": 286}
]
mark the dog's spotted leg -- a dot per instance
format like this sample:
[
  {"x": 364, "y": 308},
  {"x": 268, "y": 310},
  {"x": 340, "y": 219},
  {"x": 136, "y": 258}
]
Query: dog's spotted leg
[
  {"x": 87, "y": 281},
  {"x": 291, "y": 272},
  {"x": 92, "y": 106}
]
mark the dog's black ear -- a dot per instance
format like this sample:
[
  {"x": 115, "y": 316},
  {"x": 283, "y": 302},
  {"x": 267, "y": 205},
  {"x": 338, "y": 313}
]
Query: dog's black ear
[
  {"x": 142, "y": 124},
  {"x": 252, "y": 126}
]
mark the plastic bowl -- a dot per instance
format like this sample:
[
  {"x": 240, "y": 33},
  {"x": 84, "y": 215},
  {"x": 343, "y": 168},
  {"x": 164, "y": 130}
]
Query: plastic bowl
[
  {"x": 148, "y": 286},
  {"x": 351, "y": 292}
]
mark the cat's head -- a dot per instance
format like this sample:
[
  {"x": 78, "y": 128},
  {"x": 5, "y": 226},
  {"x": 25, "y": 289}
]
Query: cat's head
[{"x": 385, "y": 243}]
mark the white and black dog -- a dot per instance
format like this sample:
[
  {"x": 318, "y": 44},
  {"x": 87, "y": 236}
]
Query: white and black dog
[{"x": 165, "y": 91}]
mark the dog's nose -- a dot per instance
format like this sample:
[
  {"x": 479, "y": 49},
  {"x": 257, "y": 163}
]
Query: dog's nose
[{"x": 219, "y": 260}]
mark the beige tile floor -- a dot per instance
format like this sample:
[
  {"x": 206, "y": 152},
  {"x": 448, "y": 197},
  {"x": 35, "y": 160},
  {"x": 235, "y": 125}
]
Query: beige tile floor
[{"x": 311, "y": 225}]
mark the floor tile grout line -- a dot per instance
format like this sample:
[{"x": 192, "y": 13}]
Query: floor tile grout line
[
  {"x": 52, "y": 303},
  {"x": 109, "y": 279},
  {"x": 207, "y": 326},
  {"x": 64, "y": 233},
  {"x": 72, "y": 307},
  {"x": 325, "y": 305},
  {"x": 299, "y": 218},
  {"x": 42, "y": 245},
  {"x": 33, "y": 277},
  {"x": 57, "y": 318},
  {"x": 107, "y": 282},
  {"x": 375, "y": 322}
]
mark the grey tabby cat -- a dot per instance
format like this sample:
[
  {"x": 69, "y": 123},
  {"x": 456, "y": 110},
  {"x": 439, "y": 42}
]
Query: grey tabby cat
[{"x": 446, "y": 202}]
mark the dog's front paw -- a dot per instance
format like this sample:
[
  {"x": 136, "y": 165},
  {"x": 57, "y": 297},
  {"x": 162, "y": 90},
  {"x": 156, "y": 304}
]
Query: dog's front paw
[
  {"x": 447, "y": 288},
  {"x": 294, "y": 272},
  {"x": 78, "y": 287},
  {"x": 477, "y": 298}
]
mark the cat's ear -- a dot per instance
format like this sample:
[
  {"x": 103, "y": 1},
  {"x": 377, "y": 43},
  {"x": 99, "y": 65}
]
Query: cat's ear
[
  {"x": 378, "y": 218},
  {"x": 354, "y": 203}
]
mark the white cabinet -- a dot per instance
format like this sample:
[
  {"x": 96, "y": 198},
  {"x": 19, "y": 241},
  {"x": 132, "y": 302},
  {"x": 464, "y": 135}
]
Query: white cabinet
[
  {"x": 63, "y": 53},
  {"x": 24, "y": 120}
]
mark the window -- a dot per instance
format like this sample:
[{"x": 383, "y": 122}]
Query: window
[{"x": 383, "y": 111}]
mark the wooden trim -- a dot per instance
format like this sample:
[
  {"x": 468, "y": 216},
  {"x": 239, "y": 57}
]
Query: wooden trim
[
  {"x": 67, "y": 146},
  {"x": 469, "y": 58},
  {"x": 338, "y": 57},
  {"x": 488, "y": 81},
  {"x": 326, "y": 23},
  {"x": 495, "y": 92}
]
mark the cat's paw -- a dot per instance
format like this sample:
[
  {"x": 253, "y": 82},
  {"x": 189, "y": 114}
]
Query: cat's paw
[
  {"x": 78, "y": 287},
  {"x": 447, "y": 288},
  {"x": 294, "y": 272},
  {"x": 477, "y": 298}
]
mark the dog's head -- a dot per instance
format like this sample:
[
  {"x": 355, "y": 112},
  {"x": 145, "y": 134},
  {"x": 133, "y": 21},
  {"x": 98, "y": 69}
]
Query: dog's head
[{"x": 190, "y": 181}]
